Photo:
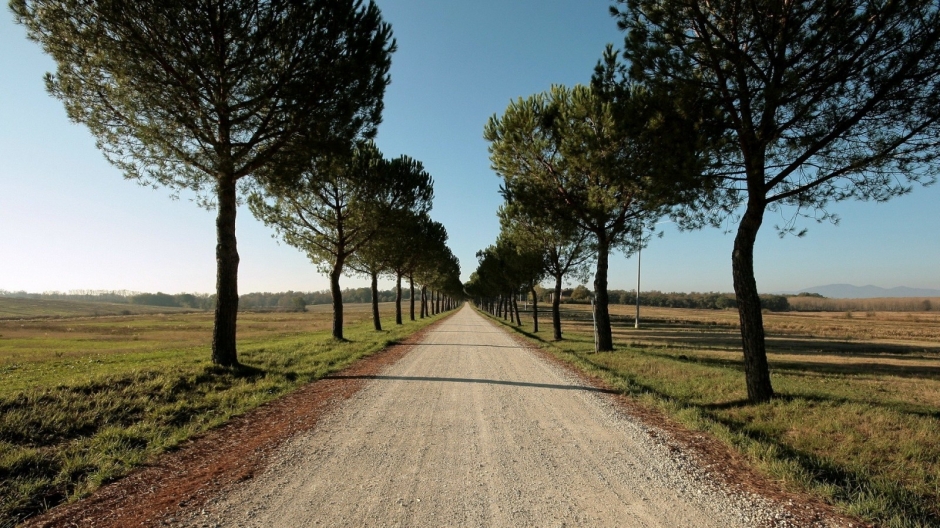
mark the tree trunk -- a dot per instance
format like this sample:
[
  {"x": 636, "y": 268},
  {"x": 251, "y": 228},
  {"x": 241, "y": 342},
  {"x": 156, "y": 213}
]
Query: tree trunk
[
  {"x": 440, "y": 298},
  {"x": 605, "y": 342},
  {"x": 515, "y": 306},
  {"x": 512, "y": 314},
  {"x": 411, "y": 283},
  {"x": 398, "y": 299},
  {"x": 224, "y": 351},
  {"x": 376, "y": 321},
  {"x": 337, "y": 294},
  {"x": 556, "y": 308},
  {"x": 535, "y": 311},
  {"x": 756, "y": 371},
  {"x": 424, "y": 301}
]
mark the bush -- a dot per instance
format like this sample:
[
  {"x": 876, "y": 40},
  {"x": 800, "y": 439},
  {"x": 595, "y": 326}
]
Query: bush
[
  {"x": 581, "y": 294},
  {"x": 775, "y": 303},
  {"x": 155, "y": 299}
]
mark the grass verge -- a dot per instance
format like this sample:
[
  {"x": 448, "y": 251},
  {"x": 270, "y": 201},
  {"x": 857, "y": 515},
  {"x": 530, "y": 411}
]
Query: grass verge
[
  {"x": 67, "y": 434},
  {"x": 862, "y": 437}
]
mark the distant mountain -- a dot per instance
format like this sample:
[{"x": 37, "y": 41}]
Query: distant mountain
[{"x": 848, "y": 291}]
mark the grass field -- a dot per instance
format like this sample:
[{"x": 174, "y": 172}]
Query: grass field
[
  {"x": 85, "y": 399},
  {"x": 858, "y": 413},
  {"x": 14, "y": 308}
]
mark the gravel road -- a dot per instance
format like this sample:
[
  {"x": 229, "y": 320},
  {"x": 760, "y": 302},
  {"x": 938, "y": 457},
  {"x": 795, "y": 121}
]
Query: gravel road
[{"x": 470, "y": 429}]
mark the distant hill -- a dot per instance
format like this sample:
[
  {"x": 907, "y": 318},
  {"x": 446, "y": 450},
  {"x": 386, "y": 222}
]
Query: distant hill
[{"x": 849, "y": 291}]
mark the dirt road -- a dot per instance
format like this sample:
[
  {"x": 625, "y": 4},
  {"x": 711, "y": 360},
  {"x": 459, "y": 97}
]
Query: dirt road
[{"x": 470, "y": 429}]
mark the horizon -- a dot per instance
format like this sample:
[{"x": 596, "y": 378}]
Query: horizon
[{"x": 568, "y": 287}]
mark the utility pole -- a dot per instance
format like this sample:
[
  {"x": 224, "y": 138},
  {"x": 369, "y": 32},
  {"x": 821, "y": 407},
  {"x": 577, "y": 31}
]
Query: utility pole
[{"x": 637, "y": 320}]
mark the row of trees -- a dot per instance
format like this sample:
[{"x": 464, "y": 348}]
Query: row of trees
[
  {"x": 367, "y": 215},
  {"x": 294, "y": 299},
  {"x": 720, "y": 113},
  {"x": 289, "y": 300},
  {"x": 277, "y": 101}
]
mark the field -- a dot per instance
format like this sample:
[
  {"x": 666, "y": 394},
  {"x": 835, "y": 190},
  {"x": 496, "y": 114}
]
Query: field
[
  {"x": 858, "y": 409},
  {"x": 85, "y": 399},
  {"x": 886, "y": 304},
  {"x": 14, "y": 308}
]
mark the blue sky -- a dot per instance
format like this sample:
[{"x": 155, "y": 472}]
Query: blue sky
[{"x": 68, "y": 220}]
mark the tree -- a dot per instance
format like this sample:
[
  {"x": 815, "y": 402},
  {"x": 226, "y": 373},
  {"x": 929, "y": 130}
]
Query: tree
[
  {"x": 430, "y": 237},
  {"x": 403, "y": 240},
  {"x": 505, "y": 270},
  {"x": 577, "y": 155},
  {"x": 371, "y": 260},
  {"x": 565, "y": 248},
  {"x": 340, "y": 205},
  {"x": 446, "y": 282},
  {"x": 487, "y": 283},
  {"x": 393, "y": 246},
  {"x": 581, "y": 294},
  {"x": 434, "y": 259},
  {"x": 820, "y": 100},
  {"x": 201, "y": 95}
]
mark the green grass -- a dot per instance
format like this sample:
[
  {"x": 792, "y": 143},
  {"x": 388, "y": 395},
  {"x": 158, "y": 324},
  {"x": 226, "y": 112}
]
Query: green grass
[
  {"x": 861, "y": 433},
  {"x": 79, "y": 412}
]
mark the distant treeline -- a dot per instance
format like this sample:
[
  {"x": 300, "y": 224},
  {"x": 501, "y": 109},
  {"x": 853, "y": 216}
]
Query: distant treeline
[
  {"x": 112, "y": 296},
  {"x": 295, "y": 300},
  {"x": 707, "y": 301},
  {"x": 880, "y": 304},
  {"x": 285, "y": 301}
]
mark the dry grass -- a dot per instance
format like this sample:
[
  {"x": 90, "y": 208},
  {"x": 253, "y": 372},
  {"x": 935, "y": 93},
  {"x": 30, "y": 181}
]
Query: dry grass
[
  {"x": 85, "y": 399},
  {"x": 880, "y": 304},
  {"x": 879, "y": 332},
  {"x": 15, "y": 308},
  {"x": 858, "y": 405},
  {"x": 40, "y": 351}
]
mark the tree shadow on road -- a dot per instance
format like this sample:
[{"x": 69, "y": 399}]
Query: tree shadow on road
[{"x": 477, "y": 380}]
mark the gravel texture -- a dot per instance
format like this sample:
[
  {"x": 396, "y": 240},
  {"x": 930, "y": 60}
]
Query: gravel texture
[{"x": 472, "y": 429}]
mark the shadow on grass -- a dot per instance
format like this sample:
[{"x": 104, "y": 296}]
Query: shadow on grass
[
  {"x": 867, "y": 494},
  {"x": 848, "y": 486},
  {"x": 240, "y": 371},
  {"x": 813, "y": 368},
  {"x": 703, "y": 335}
]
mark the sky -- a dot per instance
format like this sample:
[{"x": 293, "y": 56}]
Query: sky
[{"x": 69, "y": 221}]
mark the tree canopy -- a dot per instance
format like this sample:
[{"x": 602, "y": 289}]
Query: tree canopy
[
  {"x": 340, "y": 205},
  {"x": 565, "y": 250},
  {"x": 592, "y": 159},
  {"x": 819, "y": 101},
  {"x": 199, "y": 95}
]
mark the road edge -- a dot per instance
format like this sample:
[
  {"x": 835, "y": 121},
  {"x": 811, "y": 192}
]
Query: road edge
[
  {"x": 726, "y": 465},
  {"x": 179, "y": 483}
]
